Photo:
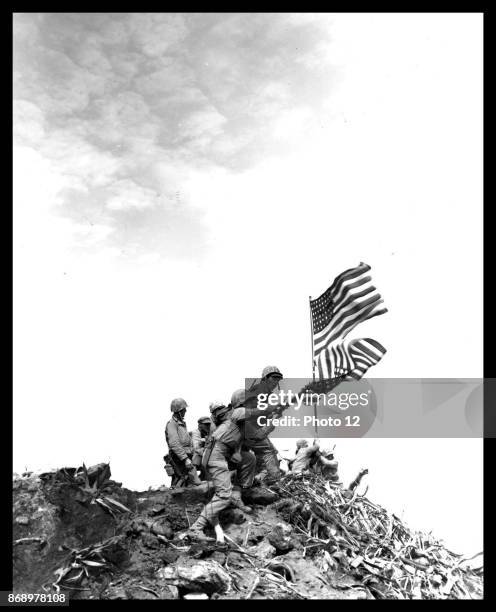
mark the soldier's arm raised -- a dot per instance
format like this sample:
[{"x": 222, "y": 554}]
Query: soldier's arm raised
[{"x": 253, "y": 413}]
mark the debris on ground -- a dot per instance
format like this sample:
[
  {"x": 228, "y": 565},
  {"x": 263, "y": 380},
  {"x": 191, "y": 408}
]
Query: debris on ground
[
  {"x": 77, "y": 531},
  {"x": 361, "y": 538},
  {"x": 280, "y": 538},
  {"x": 197, "y": 577}
]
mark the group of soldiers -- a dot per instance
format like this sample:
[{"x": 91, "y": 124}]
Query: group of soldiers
[{"x": 232, "y": 451}]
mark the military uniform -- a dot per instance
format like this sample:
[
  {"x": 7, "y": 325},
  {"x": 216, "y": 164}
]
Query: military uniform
[
  {"x": 226, "y": 455},
  {"x": 257, "y": 437},
  {"x": 328, "y": 468},
  {"x": 180, "y": 449},
  {"x": 199, "y": 438},
  {"x": 198, "y": 442},
  {"x": 303, "y": 459},
  {"x": 257, "y": 440}
]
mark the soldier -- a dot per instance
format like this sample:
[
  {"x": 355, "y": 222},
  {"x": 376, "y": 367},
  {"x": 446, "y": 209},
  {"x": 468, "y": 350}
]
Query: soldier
[
  {"x": 222, "y": 454},
  {"x": 327, "y": 466},
  {"x": 180, "y": 446},
  {"x": 198, "y": 438},
  {"x": 257, "y": 437},
  {"x": 314, "y": 459},
  {"x": 304, "y": 456}
]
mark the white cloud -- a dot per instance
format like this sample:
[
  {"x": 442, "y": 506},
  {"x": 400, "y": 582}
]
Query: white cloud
[
  {"x": 207, "y": 121},
  {"x": 156, "y": 33},
  {"x": 78, "y": 161},
  {"x": 28, "y": 121},
  {"x": 169, "y": 79},
  {"x": 127, "y": 194}
]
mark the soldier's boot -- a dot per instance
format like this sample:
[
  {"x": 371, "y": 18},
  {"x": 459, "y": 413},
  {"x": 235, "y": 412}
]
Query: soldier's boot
[
  {"x": 195, "y": 532},
  {"x": 237, "y": 502},
  {"x": 260, "y": 478},
  {"x": 274, "y": 473}
]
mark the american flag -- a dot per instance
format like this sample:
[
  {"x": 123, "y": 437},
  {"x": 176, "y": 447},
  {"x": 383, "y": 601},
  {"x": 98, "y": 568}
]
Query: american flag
[{"x": 350, "y": 300}]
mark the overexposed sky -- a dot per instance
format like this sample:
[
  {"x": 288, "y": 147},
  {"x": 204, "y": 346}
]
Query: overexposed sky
[{"x": 183, "y": 183}]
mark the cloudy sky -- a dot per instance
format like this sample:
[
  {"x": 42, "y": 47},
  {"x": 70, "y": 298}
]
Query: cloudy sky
[{"x": 183, "y": 183}]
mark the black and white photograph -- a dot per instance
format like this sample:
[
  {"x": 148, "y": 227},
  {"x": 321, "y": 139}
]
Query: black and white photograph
[{"x": 247, "y": 306}]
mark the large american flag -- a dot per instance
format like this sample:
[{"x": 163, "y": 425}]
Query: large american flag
[{"x": 350, "y": 300}]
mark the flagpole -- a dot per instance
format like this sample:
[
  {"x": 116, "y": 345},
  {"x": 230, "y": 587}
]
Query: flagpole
[
  {"x": 311, "y": 336},
  {"x": 313, "y": 362}
]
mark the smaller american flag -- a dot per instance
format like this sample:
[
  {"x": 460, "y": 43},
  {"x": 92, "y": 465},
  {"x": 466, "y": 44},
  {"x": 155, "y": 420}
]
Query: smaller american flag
[{"x": 349, "y": 360}]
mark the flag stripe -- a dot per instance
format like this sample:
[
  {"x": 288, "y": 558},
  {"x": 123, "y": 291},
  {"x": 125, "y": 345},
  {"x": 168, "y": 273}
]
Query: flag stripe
[
  {"x": 327, "y": 314},
  {"x": 348, "y": 275},
  {"x": 345, "y": 307},
  {"x": 377, "y": 345},
  {"x": 348, "y": 324},
  {"x": 357, "y": 307},
  {"x": 369, "y": 353},
  {"x": 354, "y": 358},
  {"x": 348, "y": 288},
  {"x": 357, "y": 295}
]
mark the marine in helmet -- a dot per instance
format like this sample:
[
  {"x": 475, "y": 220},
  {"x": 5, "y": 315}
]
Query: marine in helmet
[
  {"x": 222, "y": 455},
  {"x": 327, "y": 466},
  {"x": 257, "y": 437},
  {"x": 180, "y": 445}
]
